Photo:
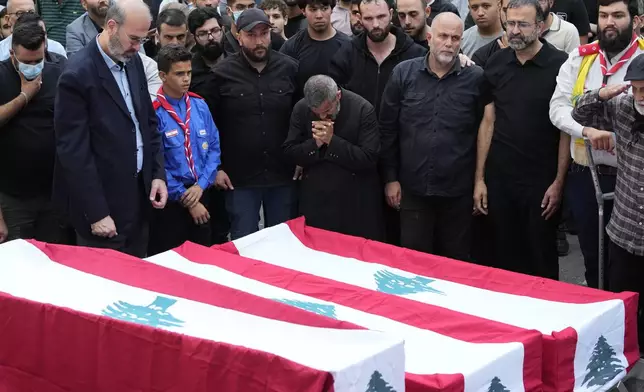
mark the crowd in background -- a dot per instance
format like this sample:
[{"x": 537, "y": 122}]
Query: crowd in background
[{"x": 450, "y": 127}]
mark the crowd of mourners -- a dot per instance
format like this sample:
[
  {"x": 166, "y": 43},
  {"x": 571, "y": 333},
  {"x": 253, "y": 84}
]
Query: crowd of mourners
[{"x": 456, "y": 128}]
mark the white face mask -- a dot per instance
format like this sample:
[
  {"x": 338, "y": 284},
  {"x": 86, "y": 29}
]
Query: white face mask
[
  {"x": 30, "y": 71},
  {"x": 236, "y": 15}
]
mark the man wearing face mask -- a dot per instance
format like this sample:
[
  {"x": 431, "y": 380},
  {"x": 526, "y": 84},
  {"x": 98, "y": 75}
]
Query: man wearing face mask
[
  {"x": 589, "y": 67},
  {"x": 27, "y": 137},
  {"x": 235, "y": 9},
  {"x": 252, "y": 96}
]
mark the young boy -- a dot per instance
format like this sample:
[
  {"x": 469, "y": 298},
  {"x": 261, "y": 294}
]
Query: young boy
[
  {"x": 276, "y": 12},
  {"x": 609, "y": 109},
  {"x": 191, "y": 152}
]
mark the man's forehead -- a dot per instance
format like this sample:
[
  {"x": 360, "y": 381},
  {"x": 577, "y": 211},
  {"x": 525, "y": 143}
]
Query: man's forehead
[
  {"x": 409, "y": 5},
  {"x": 173, "y": 29},
  {"x": 20, "y": 5},
  {"x": 209, "y": 24},
  {"x": 615, "y": 7},
  {"x": 527, "y": 12},
  {"x": 273, "y": 11}
]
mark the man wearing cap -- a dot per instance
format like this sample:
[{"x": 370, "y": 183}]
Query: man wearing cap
[
  {"x": 609, "y": 108},
  {"x": 251, "y": 96}
]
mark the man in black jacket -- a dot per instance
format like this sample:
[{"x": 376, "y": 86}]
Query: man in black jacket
[
  {"x": 364, "y": 64},
  {"x": 334, "y": 137}
]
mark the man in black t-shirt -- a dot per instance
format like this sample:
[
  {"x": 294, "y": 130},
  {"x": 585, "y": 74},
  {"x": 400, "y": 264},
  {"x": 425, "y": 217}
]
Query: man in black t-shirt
[
  {"x": 315, "y": 47},
  {"x": 27, "y": 149},
  {"x": 296, "y": 19}
]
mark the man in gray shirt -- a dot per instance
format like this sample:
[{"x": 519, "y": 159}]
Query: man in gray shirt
[{"x": 488, "y": 25}]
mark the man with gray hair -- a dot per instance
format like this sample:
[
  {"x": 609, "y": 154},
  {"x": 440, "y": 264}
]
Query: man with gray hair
[
  {"x": 429, "y": 116},
  {"x": 334, "y": 137},
  {"x": 109, "y": 165}
]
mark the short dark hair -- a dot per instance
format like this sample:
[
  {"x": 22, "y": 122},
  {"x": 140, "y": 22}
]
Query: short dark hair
[
  {"x": 30, "y": 35},
  {"x": 171, "y": 54},
  {"x": 3, "y": 12},
  {"x": 172, "y": 17},
  {"x": 631, "y": 5},
  {"x": 29, "y": 17},
  {"x": 529, "y": 3},
  {"x": 303, "y": 3},
  {"x": 272, "y": 4},
  {"x": 389, "y": 3},
  {"x": 199, "y": 16}
]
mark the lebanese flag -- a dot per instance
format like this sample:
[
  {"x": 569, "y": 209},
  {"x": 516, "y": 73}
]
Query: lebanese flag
[
  {"x": 80, "y": 319},
  {"x": 588, "y": 336}
]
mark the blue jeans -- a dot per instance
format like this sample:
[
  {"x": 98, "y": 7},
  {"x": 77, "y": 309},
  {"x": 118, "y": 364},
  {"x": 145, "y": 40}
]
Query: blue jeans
[
  {"x": 580, "y": 197},
  {"x": 243, "y": 205}
]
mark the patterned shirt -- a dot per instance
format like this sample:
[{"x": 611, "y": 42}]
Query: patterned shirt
[
  {"x": 626, "y": 226},
  {"x": 57, "y": 15}
]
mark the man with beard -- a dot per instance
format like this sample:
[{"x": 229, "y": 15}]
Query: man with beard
[
  {"x": 296, "y": 19},
  {"x": 356, "y": 24},
  {"x": 364, "y": 65},
  {"x": 252, "y": 95},
  {"x": 230, "y": 41},
  {"x": 429, "y": 116},
  {"x": 205, "y": 25},
  {"x": 87, "y": 26},
  {"x": 590, "y": 67},
  {"x": 314, "y": 47},
  {"x": 522, "y": 158},
  {"x": 334, "y": 137},
  {"x": 413, "y": 16},
  {"x": 109, "y": 166},
  {"x": 488, "y": 25},
  {"x": 559, "y": 33},
  {"x": 172, "y": 28}
]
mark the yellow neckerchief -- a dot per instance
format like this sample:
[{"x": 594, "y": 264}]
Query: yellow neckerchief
[{"x": 578, "y": 90}]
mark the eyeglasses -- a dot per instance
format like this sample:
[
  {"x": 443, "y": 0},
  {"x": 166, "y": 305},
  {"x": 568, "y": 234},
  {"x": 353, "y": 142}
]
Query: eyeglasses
[
  {"x": 138, "y": 40},
  {"x": 522, "y": 25},
  {"x": 205, "y": 34},
  {"x": 21, "y": 13}
]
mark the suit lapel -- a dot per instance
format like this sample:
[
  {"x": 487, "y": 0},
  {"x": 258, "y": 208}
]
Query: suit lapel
[
  {"x": 107, "y": 79},
  {"x": 88, "y": 28}
]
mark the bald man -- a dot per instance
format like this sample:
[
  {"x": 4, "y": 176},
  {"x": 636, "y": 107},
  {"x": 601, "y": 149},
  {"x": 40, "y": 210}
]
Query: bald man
[
  {"x": 429, "y": 118},
  {"x": 110, "y": 168}
]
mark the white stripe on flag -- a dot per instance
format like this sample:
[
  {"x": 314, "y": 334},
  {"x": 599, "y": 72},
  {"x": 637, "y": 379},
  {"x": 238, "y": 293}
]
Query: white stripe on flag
[
  {"x": 350, "y": 355},
  {"x": 277, "y": 245},
  {"x": 476, "y": 362}
]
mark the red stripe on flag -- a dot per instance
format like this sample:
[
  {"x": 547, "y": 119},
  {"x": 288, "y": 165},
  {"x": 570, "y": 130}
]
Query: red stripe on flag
[
  {"x": 446, "y": 322},
  {"x": 482, "y": 277},
  {"x": 84, "y": 352}
]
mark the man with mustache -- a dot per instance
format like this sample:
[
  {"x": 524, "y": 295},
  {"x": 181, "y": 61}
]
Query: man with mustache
[
  {"x": 87, "y": 26},
  {"x": 522, "y": 158},
  {"x": 413, "y": 16},
  {"x": 206, "y": 26},
  {"x": 230, "y": 41},
  {"x": 251, "y": 96},
  {"x": 365, "y": 64},
  {"x": 590, "y": 67},
  {"x": 356, "y": 24},
  {"x": 429, "y": 116},
  {"x": 109, "y": 169}
]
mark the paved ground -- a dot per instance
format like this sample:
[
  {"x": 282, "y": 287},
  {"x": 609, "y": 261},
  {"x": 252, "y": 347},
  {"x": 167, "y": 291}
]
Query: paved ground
[{"x": 571, "y": 267}]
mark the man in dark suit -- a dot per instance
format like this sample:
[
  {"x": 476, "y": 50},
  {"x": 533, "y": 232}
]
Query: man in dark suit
[{"x": 109, "y": 157}]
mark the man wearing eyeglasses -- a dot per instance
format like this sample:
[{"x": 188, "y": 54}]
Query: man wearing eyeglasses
[
  {"x": 109, "y": 158},
  {"x": 15, "y": 9},
  {"x": 522, "y": 158}
]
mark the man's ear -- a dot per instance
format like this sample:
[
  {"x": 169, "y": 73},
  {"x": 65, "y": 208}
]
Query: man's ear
[
  {"x": 637, "y": 23},
  {"x": 428, "y": 11},
  {"x": 162, "y": 76}
]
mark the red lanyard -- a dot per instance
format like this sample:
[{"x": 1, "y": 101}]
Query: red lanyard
[{"x": 184, "y": 126}]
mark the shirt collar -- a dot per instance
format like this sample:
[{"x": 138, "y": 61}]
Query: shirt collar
[
  {"x": 111, "y": 64},
  {"x": 174, "y": 101},
  {"x": 540, "y": 59},
  {"x": 456, "y": 67},
  {"x": 555, "y": 26}
]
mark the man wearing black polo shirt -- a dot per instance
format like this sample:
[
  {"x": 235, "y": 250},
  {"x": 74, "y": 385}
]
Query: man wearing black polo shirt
[
  {"x": 252, "y": 96},
  {"x": 27, "y": 137},
  {"x": 522, "y": 158}
]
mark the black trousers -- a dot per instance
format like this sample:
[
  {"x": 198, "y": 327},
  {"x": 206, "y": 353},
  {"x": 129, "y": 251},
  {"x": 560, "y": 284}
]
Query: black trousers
[
  {"x": 524, "y": 241},
  {"x": 34, "y": 218},
  {"x": 437, "y": 225},
  {"x": 173, "y": 225},
  {"x": 133, "y": 237},
  {"x": 219, "y": 219},
  {"x": 625, "y": 273}
]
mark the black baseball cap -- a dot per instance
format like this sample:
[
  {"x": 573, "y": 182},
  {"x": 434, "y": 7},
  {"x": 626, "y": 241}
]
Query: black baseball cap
[
  {"x": 635, "y": 69},
  {"x": 250, "y": 18}
]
